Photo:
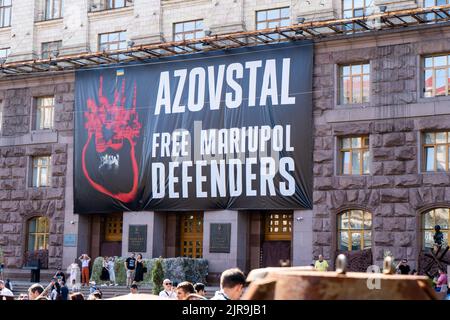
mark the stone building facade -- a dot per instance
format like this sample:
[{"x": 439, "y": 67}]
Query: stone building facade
[
  {"x": 395, "y": 192},
  {"x": 19, "y": 144}
]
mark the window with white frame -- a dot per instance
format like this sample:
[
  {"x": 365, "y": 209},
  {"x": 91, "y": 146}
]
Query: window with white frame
[
  {"x": 432, "y": 218},
  {"x": 53, "y": 9},
  {"x": 51, "y": 49},
  {"x": 354, "y": 230},
  {"x": 434, "y": 3},
  {"x": 41, "y": 171},
  {"x": 5, "y": 13},
  {"x": 271, "y": 18},
  {"x": 188, "y": 30},
  {"x": 112, "y": 41},
  {"x": 357, "y": 8},
  {"x": 436, "y": 72},
  {"x": 4, "y": 53},
  {"x": 354, "y": 83},
  {"x": 45, "y": 108},
  {"x": 354, "y": 155},
  {"x": 436, "y": 151},
  {"x": 116, "y": 4}
]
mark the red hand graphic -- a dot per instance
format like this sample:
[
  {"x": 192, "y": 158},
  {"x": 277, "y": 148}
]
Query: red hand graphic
[{"x": 123, "y": 123}]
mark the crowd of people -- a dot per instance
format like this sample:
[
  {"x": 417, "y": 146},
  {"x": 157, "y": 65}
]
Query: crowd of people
[{"x": 232, "y": 284}]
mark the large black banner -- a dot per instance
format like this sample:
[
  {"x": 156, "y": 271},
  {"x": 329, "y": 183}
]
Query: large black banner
[{"x": 228, "y": 129}]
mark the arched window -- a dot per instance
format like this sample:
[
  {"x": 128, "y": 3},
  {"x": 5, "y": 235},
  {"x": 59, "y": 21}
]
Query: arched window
[
  {"x": 354, "y": 230},
  {"x": 431, "y": 218},
  {"x": 38, "y": 231}
]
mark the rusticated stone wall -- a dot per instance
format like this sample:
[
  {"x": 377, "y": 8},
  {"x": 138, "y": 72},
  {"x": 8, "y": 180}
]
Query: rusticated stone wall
[
  {"x": 18, "y": 144},
  {"x": 396, "y": 191}
]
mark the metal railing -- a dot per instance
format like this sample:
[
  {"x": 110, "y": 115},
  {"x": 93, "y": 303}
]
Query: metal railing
[{"x": 308, "y": 30}]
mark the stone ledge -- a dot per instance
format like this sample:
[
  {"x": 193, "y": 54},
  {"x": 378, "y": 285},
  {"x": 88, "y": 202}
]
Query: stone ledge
[
  {"x": 35, "y": 137},
  {"x": 421, "y": 109}
]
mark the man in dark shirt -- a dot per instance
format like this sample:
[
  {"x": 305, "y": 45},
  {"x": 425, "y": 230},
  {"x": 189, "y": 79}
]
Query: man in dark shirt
[
  {"x": 130, "y": 266},
  {"x": 403, "y": 267},
  {"x": 64, "y": 290}
]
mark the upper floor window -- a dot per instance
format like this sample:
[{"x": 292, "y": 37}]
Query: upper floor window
[
  {"x": 112, "y": 41},
  {"x": 53, "y": 9},
  {"x": 436, "y": 151},
  {"x": 45, "y": 107},
  {"x": 188, "y": 30},
  {"x": 115, "y": 4},
  {"x": 433, "y": 3},
  {"x": 354, "y": 230},
  {"x": 41, "y": 171},
  {"x": 4, "y": 53},
  {"x": 272, "y": 18},
  {"x": 436, "y": 75},
  {"x": 354, "y": 83},
  {"x": 432, "y": 218},
  {"x": 354, "y": 155},
  {"x": 357, "y": 8},
  {"x": 51, "y": 49},
  {"x": 5, "y": 13}
]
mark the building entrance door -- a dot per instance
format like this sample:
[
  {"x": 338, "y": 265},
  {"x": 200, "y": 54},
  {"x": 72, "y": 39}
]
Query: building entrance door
[
  {"x": 276, "y": 248},
  {"x": 112, "y": 240},
  {"x": 191, "y": 235}
]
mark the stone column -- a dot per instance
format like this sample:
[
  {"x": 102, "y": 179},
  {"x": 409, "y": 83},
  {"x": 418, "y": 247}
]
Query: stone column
[
  {"x": 76, "y": 29},
  {"x": 155, "y": 231},
  {"x": 227, "y": 16},
  {"x": 302, "y": 238},
  {"x": 22, "y": 30},
  {"x": 158, "y": 233},
  {"x": 147, "y": 22},
  {"x": 237, "y": 256},
  {"x": 76, "y": 227}
]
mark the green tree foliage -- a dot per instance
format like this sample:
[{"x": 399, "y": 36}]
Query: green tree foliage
[{"x": 157, "y": 276}]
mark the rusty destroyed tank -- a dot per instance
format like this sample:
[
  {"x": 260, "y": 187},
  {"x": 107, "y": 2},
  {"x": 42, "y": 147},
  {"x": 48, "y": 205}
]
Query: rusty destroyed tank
[{"x": 304, "y": 283}]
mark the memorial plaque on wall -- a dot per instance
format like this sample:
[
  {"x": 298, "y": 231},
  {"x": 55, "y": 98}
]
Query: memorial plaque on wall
[
  {"x": 70, "y": 240},
  {"x": 137, "y": 238},
  {"x": 219, "y": 238}
]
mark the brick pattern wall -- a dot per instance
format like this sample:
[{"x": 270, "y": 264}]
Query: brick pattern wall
[
  {"x": 396, "y": 192},
  {"x": 19, "y": 201}
]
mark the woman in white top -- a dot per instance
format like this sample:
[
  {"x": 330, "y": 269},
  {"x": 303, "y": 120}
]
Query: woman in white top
[
  {"x": 74, "y": 271},
  {"x": 112, "y": 273},
  {"x": 85, "y": 269}
]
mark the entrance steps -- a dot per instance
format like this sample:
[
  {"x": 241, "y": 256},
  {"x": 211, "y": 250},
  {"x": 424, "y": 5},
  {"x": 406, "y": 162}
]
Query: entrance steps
[{"x": 25, "y": 275}]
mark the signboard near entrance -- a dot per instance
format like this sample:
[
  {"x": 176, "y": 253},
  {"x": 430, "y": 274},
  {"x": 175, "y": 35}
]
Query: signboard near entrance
[
  {"x": 219, "y": 240},
  {"x": 137, "y": 238},
  {"x": 70, "y": 240}
]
